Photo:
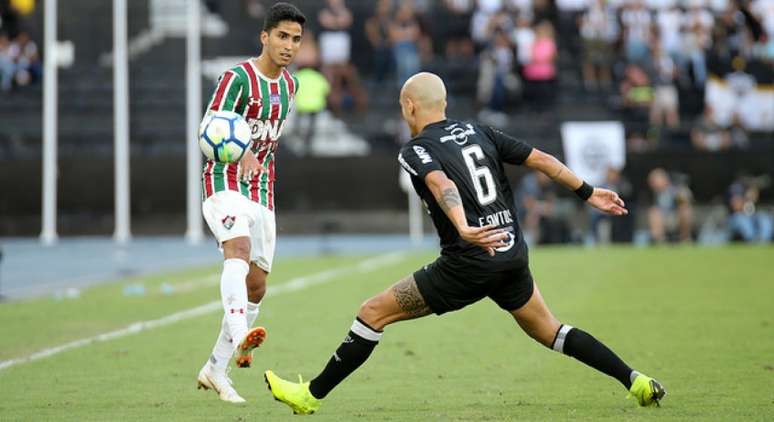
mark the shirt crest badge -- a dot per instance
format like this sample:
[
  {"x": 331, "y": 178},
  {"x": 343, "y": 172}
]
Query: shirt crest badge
[{"x": 228, "y": 222}]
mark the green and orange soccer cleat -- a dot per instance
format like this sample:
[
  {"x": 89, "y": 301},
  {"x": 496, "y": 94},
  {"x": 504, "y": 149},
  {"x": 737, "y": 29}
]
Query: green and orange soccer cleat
[{"x": 244, "y": 351}]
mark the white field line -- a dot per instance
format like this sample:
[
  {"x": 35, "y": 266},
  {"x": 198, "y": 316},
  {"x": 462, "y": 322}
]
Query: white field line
[
  {"x": 197, "y": 283},
  {"x": 293, "y": 285},
  {"x": 213, "y": 279}
]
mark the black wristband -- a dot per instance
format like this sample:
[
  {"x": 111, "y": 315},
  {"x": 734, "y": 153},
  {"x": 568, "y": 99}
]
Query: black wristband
[{"x": 584, "y": 191}]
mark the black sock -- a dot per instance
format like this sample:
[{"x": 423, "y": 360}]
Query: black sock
[
  {"x": 352, "y": 352},
  {"x": 584, "y": 347}
]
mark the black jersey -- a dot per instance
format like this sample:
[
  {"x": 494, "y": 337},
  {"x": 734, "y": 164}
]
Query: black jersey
[{"x": 472, "y": 156}]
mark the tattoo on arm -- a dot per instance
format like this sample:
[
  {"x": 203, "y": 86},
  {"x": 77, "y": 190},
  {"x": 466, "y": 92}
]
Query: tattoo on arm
[
  {"x": 450, "y": 198},
  {"x": 409, "y": 299}
]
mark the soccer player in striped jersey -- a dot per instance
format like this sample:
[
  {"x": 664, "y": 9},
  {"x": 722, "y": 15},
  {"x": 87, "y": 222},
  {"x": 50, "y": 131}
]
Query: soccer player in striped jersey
[{"x": 239, "y": 197}]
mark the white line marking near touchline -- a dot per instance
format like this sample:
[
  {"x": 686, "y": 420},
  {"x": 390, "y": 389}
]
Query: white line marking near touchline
[{"x": 293, "y": 285}]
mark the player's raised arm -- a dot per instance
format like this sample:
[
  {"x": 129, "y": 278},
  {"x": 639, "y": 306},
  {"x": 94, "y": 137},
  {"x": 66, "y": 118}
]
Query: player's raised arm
[
  {"x": 602, "y": 199},
  {"x": 448, "y": 197}
]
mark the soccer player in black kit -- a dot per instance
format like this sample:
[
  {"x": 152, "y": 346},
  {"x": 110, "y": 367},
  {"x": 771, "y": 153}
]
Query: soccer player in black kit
[{"x": 457, "y": 169}]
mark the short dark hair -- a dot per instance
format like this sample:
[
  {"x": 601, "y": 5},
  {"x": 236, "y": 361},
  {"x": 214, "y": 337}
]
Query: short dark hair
[{"x": 282, "y": 12}]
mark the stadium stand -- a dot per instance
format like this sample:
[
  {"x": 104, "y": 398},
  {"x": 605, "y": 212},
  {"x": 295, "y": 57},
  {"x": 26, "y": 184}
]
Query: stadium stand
[{"x": 455, "y": 40}]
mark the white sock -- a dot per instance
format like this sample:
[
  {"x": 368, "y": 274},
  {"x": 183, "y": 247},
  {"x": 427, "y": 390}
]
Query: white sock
[
  {"x": 223, "y": 349},
  {"x": 252, "y": 313},
  {"x": 233, "y": 294},
  {"x": 224, "y": 345}
]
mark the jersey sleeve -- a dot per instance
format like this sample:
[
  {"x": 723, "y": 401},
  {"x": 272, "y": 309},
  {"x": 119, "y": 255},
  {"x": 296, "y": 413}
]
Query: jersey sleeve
[
  {"x": 417, "y": 160},
  {"x": 228, "y": 93},
  {"x": 296, "y": 84},
  {"x": 512, "y": 150}
]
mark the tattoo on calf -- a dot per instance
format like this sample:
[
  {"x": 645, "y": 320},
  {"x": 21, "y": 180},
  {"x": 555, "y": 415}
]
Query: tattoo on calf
[{"x": 409, "y": 299}]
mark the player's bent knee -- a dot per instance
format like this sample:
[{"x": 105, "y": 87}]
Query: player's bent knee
[
  {"x": 237, "y": 248},
  {"x": 374, "y": 313},
  {"x": 369, "y": 310}
]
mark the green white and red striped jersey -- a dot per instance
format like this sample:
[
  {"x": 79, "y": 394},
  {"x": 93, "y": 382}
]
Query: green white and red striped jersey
[{"x": 265, "y": 104}]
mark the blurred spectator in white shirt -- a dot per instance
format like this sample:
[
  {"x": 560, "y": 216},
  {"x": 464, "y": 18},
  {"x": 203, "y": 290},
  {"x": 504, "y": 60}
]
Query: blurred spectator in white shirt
[
  {"x": 665, "y": 101},
  {"x": 599, "y": 29},
  {"x": 669, "y": 22},
  {"x": 764, "y": 11},
  {"x": 480, "y": 24},
  {"x": 523, "y": 38},
  {"x": 636, "y": 22},
  {"x": 335, "y": 21}
]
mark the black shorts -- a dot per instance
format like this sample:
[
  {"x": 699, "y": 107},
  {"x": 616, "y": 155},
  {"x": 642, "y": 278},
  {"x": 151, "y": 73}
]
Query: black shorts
[{"x": 449, "y": 284}]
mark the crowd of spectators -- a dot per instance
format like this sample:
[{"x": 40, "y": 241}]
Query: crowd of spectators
[
  {"x": 665, "y": 211},
  {"x": 672, "y": 47},
  {"x": 642, "y": 56},
  {"x": 647, "y": 54},
  {"x": 19, "y": 57},
  {"x": 649, "y": 61}
]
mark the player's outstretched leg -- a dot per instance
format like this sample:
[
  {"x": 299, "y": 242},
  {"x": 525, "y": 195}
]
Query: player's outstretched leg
[
  {"x": 400, "y": 302},
  {"x": 233, "y": 285},
  {"x": 540, "y": 324},
  {"x": 233, "y": 292},
  {"x": 224, "y": 344}
]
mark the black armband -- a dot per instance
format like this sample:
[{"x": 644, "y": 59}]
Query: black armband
[{"x": 584, "y": 191}]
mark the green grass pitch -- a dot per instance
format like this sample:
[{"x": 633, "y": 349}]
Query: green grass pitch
[{"x": 700, "y": 320}]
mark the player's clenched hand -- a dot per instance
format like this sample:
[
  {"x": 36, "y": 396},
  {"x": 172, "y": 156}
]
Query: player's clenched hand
[
  {"x": 249, "y": 167},
  {"x": 488, "y": 237},
  {"x": 607, "y": 201}
]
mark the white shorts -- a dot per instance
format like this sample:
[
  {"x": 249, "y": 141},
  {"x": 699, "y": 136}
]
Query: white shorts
[{"x": 230, "y": 215}]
